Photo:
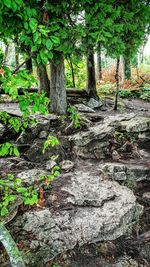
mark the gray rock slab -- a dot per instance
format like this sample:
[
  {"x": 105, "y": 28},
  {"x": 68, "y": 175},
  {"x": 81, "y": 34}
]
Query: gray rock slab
[
  {"x": 31, "y": 177},
  {"x": 84, "y": 108},
  {"x": 121, "y": 172},
  {"x": 85, "y": 209},
  {"x": 2, "y": 129}
]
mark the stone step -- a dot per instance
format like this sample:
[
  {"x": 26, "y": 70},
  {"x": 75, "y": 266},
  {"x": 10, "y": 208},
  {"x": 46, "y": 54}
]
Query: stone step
[{"x": 129, "y": 170}]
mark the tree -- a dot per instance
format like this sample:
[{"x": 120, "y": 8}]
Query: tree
[
  {"x": 99, "y": 62},
  {"x": 135, "y": 17},
  {"x": 26, "y": 20},
  {"x": 44, "y": 82},
  {"x": 91, "y": 79},
  {"x": 99, "y": 17},
  {"x": 128, "y": 30},
  {"x": 62, "y": 18}
]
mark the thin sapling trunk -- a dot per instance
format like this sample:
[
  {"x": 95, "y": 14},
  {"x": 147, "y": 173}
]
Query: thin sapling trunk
[{"x": 117, "y": 84}]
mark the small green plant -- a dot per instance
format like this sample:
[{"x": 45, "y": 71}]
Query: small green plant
[
  {"x": 121, "y": 137},
  {"x": 55, "y": 172},
  {"x": 145, "y": 94},
  {"x": 105, "y": 90},
  {"x": 4, "y": 117},
  {"x": 124, "y": 93},
  {"x": 9, "y": 149},
  {"x": 10, "y": 189},
  {"x": 53, "y": 142},
  {"x": 55, "y": 264},
  {"x": 50, "y": 141},
  {"x": 74, "y": 116},
  {"x": 130, "y": 183}
]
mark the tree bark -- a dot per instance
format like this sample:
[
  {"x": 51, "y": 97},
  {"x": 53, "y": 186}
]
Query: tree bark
[
  {"x": 11, "y": 248},
  {"x": 117, "y": 84},
  {"x": 58, "y": 95},
  {"x": 127, "y": 66},
  {"x": 16, "y": 57},
  {"x": 29, "y": 66},
  {"x": 72, "y": 73},
  {"x": 6, "y": 54},
  {"x": 44, "y": 83},
  {"x": 123, "y": 69},
  {"x": 99, "y": 63},
  {"x": 91, "y": 80}
]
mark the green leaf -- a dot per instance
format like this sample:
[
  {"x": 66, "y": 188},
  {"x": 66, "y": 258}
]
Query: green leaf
[
  {"x": 21, "y": 189},
  {"x": 38, "y": 59},
  {"x": 43, "y": 56},
  {"x": 26, "y": 26},
  {"x": 18, "y": 181},
  {"x": 33, "y": 24},
  {"x": 55, "y": 40},
  {"x": 50, "y": 55},
  {"x": 49, "y": 44},
  {"x": 4, "y": 211},
  {"x": 35, "y": 37},
  {"x": 8, "y": 3},
  {"x": 19, "y": 2},
  {"x": 16, "y": 152}
]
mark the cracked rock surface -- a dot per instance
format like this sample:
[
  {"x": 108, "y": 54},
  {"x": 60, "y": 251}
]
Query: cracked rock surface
[{"x": 82, "y": 208}]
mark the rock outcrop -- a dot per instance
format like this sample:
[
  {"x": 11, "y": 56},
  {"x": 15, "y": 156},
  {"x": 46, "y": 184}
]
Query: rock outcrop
[
  {"x": 2, "y": 129},
  {"x": 82, "y": 208},
  {"x": 126, "y": 171}
]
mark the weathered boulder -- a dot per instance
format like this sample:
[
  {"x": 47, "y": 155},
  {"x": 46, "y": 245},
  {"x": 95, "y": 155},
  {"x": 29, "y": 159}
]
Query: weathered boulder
[
  {"x": 145, "y": 251},
  {"x": 81, "y": 209},
  {"x": 124, "y": 261},
  {"x": 144, "y": 140},
  {"x": 129, "y": 122},
  {"x": 97, "y": 141},
  {"x": 93, "y": 143},
  {"x": 31, "y": 177},
  {"x": 2, "y": 129},
  {"x": 6, "y": 164},
  {"x": 35, "y": 151},
  {"x": 146, "y": 197},
  {"x": 67, "y": 165},
  {"x": 50, "y": 164},
  {"x": 121, "y": 172},
  {"x": 93, "y": 103},
  {"x": 137, "y": 124},
  {"x": 84, "y": 108},
  {"x": 14, "y": 163},
  {"x": 41, "y": 129}
]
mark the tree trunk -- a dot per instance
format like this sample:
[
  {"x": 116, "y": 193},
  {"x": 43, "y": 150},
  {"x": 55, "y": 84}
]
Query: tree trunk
[
  {"x": 57, "y": 84},
  {"x": 99, "y": 63},
  {"x": 6, "y": 54},
  {"x": 117, "y": 84},
  {"x": 44, "y": 83},
  {"x": 123, "y": 69},
  {"x": 11, "y": 248},
  {"x": 29, "y": 66},
  {"x": 72, "y": 73},
  {"x": 16, "y": 56},
  {"x": 91, "y": 81},
  {"x": 127, "y": 66}
]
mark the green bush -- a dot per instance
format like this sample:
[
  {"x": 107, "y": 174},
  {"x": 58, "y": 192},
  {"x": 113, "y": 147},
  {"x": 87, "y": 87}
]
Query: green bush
[
  {"x": 105, "y": 90},
  {"x": 145, "y": 94}
]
